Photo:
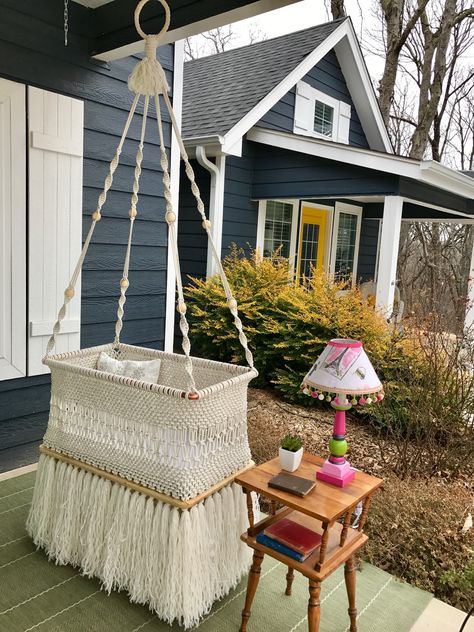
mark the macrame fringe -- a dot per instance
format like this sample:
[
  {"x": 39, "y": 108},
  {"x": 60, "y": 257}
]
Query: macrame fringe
[{"x": 176, "y": 562}]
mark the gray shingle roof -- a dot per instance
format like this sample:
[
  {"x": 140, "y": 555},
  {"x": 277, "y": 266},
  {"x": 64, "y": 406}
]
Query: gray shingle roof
[{"x": 220, "y": 89}]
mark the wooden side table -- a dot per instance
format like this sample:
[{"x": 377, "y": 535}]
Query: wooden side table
[{"x": 321, "y": 510}]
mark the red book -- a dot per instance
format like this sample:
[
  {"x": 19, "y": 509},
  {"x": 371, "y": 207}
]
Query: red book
[{"x": 294, "y": 535}]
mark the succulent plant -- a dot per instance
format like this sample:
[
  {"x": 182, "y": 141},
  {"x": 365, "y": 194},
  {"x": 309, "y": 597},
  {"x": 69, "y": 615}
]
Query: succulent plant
[{"x": 291, "y": 443}]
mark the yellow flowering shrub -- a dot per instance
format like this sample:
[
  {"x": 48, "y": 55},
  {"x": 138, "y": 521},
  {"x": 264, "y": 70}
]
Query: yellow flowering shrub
[{"x": 287, "y": 325}]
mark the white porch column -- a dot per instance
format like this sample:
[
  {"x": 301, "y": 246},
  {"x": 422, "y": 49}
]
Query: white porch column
[
  {"x": 469, "y": 318},
  {"x": 388, "y": 254}
]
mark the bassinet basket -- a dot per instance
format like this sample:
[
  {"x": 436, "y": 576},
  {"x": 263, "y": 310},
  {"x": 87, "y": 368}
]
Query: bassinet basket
[
  {"x": 111, "y": 440},
  {"x": 151, "y": 433}
]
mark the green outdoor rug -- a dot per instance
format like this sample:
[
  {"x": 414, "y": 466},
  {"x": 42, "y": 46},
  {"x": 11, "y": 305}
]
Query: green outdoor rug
[{"x": 38, "y": 595}]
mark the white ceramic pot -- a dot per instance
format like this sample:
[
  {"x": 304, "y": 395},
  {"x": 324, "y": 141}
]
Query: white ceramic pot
[{"x": 290, "y": 461}]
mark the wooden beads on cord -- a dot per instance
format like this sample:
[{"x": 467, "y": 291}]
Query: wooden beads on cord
[
  {"x": 132, "y": 213},
  {"x": 96, "y": 216},
  {"x": 206, "y": 224},
  {"x": 170, "y": 217},
  {"x": 181, "y": 307},
  {"x": 232, "y": 303},
  {"x": 124, "y": 283},
  {"x": 69, "y": 292}
]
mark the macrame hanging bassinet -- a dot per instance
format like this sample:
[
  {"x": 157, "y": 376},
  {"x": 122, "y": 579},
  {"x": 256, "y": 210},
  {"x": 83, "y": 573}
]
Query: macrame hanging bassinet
[{"x": 127, "y": 478}]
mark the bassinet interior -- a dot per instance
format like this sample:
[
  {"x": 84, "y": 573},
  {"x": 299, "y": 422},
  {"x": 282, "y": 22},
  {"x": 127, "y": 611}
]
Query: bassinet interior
[{"x": 173, "y": 374}]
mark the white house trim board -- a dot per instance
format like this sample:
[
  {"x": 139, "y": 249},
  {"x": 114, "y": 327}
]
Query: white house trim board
[
  {"x": 12, "y": 230},
  {"x": 195, "y": 28},
  {"x": 388, "y": 254},
  {"x": 175, "y": 164},
  {"x": 55, "y": 219},
  {"x": 427, "y": 172},
  {"x": 378, "y": 135},
  {"x": 361, "y": 89}
]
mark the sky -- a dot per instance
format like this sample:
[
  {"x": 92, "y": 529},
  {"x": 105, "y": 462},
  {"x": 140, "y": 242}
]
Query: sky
[{"x": 307, "y": 13}]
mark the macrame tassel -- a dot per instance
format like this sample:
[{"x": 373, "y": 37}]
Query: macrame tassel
[{"x": 148, "y": 76}]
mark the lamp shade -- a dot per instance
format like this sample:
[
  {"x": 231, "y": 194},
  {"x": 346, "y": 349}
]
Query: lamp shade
[{"x": 343, "y": 367}]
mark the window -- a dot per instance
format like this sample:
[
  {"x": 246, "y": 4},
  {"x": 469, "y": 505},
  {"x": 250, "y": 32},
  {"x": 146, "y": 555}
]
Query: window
[
  {"x": 278, "y": 222},
  {"x": 346, "y": 241},
  {"x": 323, "y": 118},
  {"x": 319, "y": 115}
]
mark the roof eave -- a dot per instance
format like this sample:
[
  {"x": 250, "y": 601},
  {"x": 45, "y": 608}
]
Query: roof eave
[{"x": 428, "y": 172}]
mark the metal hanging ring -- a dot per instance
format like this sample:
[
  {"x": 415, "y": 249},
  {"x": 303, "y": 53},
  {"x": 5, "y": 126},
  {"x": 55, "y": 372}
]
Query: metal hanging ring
[{"x": 166, "y": 25}]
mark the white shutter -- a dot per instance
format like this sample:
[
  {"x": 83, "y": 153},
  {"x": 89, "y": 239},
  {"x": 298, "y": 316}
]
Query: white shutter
[
  {"x": 344, "y": 122},
  {"x": 304, "y": 109},
  {"x": 12, "y": 230},
  {"x": 56, "y": 134}
]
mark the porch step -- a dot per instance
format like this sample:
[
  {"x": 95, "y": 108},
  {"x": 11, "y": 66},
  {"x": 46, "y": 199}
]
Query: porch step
[{"x": 441, "y": 617}]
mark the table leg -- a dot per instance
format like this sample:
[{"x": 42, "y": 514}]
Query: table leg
[
  {"x": 251, "y": 517},
  {"x": 254, "y": 577},
  {"x": 289, "y": 580},
  {"x": 350, "y": 577},
  {"x": 314, "y": 606}
]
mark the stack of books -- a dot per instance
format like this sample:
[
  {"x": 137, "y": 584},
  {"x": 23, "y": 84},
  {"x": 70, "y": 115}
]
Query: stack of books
[{"x": 290, "y": 538}]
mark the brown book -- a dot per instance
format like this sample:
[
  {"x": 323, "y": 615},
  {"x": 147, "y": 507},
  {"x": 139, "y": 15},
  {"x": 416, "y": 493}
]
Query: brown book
[{"x": 292, "y": 484}]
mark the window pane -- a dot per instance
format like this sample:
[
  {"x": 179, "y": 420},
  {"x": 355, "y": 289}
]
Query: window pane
[
  {"x": 345, "y": 248},
  {"x": 309, "y": 249},
  {"x": 277, "y": 228},
  {"x": 323, "y": 118}
]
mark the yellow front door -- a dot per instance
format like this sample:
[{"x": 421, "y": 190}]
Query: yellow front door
[{"x": 312, "y": 240}]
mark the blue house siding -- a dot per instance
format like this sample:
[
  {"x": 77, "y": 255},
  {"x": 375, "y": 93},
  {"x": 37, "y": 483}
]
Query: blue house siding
[
  {"x": 240, "y": 211},
  {"x": 32, "y": 52},
  {"x": 192, "y": 240},
  {"x": 369, "y": 236},
  {"x": 327, "y": 77},
  {"x": 279, "y": 173}
]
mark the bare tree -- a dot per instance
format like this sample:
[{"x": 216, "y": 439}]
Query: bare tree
[
  {"x": 400, "y": 18},
  {"x": 434, "y": 47},
  {"x": 337, "y": 8},
  {"x": 219, "y": 40}
]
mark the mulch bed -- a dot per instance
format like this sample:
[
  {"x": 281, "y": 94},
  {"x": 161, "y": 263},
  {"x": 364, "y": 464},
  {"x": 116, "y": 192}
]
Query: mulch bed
[{"x": 414, "y": 525}]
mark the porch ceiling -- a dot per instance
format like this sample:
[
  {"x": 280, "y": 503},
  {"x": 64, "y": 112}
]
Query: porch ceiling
[{"x": 113, "y": 33}]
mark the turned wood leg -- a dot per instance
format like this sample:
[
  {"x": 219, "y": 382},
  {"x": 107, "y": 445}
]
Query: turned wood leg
[
  {"x": 350, "y": 577},
  {"x": 251, "y": 517},
  {"x": 314, "y": 606},
  {"x": 289, "y": 580},
  {"x": 252, "y": 584}
]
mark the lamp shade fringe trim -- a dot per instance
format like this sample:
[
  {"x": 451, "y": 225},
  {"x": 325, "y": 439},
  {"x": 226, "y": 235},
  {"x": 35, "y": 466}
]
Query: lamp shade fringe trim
[{"x": 176, "y": 562}]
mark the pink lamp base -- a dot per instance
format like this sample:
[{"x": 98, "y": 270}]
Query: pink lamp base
[{"x": 339, "y": 475}]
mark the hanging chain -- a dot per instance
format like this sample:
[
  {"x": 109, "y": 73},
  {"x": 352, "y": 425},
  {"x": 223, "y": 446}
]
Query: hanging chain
[{"x": 66, "y": 20}]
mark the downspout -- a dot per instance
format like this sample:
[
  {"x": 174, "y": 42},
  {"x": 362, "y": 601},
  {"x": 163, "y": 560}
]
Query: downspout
[{"x": 216, "y": 202}]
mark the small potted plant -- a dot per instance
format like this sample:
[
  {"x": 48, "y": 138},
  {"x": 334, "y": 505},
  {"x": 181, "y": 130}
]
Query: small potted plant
[{"x": 291, "y": 453}]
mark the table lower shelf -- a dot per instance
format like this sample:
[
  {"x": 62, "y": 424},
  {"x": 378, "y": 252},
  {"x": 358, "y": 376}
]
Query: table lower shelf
[{"x": 335, "y": 554}]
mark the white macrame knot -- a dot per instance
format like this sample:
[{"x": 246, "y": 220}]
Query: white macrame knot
[{"x": 148, "y": 76}]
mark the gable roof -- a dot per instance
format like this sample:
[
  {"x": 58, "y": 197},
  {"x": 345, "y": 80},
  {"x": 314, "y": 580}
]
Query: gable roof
[
  {"x": 220, "y": 89},
  {"x": 227, "y": 93}
]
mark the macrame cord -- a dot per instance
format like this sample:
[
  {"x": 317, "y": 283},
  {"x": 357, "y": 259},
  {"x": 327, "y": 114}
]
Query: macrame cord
[{"x": 148, "y": 80}]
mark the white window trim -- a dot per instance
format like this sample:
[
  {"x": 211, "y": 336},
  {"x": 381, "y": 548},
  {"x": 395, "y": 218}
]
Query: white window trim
[
  {"x": 262, "y": 212},
  {"x": 343, "y": 207},
  {"x": 331, "y": 231},
  {"x": 305, "y": 104}
]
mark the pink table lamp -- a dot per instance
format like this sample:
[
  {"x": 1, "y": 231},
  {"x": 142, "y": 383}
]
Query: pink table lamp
[{"x": 344, "y": 376}]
